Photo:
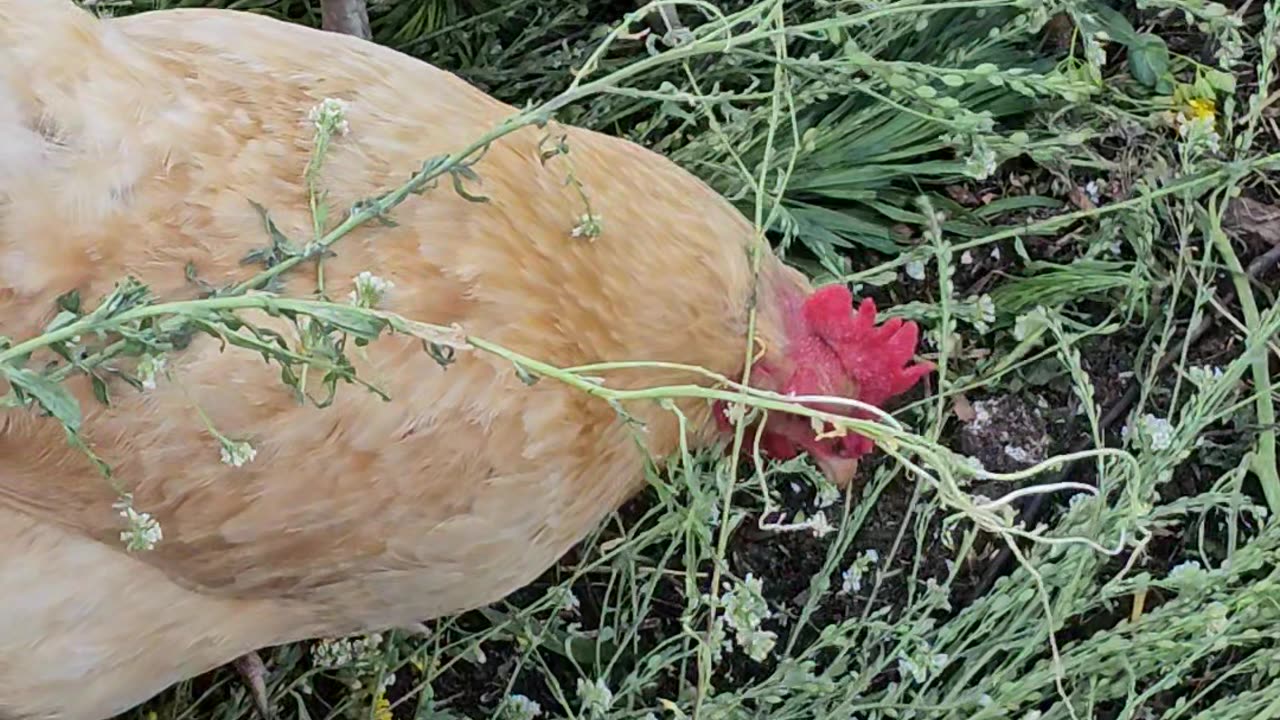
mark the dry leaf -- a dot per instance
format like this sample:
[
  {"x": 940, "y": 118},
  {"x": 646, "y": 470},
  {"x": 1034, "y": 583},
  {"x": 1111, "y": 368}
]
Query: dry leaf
[
  {"x": 1080, "y": 199},
  {"x": 963, "y": 410},
  {"x": 1254, "y": 218}
]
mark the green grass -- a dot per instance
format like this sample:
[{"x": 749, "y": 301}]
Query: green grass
[{"x": 940, "y": 159}]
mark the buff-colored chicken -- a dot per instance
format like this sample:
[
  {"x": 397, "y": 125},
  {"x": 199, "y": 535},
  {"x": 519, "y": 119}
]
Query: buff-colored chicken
[{"x": 137, "y": 145}]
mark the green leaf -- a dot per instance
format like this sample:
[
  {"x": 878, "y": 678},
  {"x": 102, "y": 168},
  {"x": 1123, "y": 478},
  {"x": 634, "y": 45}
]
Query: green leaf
[
  {"x": 61, "y": 320},
  {"x": 1149, "y": 60},
  {"x": 100, "y": 390},
  {"x": 50, "y": 395},
  {"x": 358, "y": 323},
  {"x": 70, "y": 302},
  {"x": 1116, "y": 25}
]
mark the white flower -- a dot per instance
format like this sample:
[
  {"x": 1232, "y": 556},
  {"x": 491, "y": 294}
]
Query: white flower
[
  {"x": 149, "y": 367},
  {"x": 330, "y": 116},
  {"x": 1094, "y": 191},
  {"x": 914, "y": 269},
  {"x": 369, "y": 290},
  {"x": 981, "y": 162},
  {"x": 519, "y": 707},
  {"x": 237, "y": 454},
  {"x": 851, "y": 579},
  {"x": 744, "y": 609},
  {"x": 1156, "y": 431},
  {"x": 596, "y": 696},
  {"x": 143, "y": 531},
  {"x": 1188, "y": 576},
  {"x": 1202, "y": 375},
  {"x": 827, "y": 494},
  {"x": 566, "y": 601},
  {"x": 819, "y": 524},
  {"x": 346, "y": 652},
  {"x": 986, "y": 311},
  {"x": 589, "y": 226}
]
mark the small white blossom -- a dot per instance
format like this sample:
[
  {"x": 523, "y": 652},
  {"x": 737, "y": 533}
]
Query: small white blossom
[
  {"x": 1202, "y": 375},
  {"x": 966, "y": 257},
  {"x": 1094, "y": 191},
  {"x": 149, "y": 367},
  {"x": 589, "y": 226},
  {"x": 1154, "y": 430},
  {"x": 1188, "y": 575},
  {"x": 744, "y": 609},
  {"x": 346, "y": 652},
  {"x": 330, "y": 116},
  {"x": 819, "y": 525},
  {"x": 143, "y": 531},
  {"x": 914, "y": 269},
  {"x": 1199, "y": 134},
  {"x": 519, "y": 707},
  {"x": 566, "y": 601},
  {"x": 986, "y": 313},
  {"x": 369, "y": 290},
  {"x": 851, "y": 579},
  {"x": 596, "y": 696},
  {"x": 236, "y": 454},
  {"x": 981, "y": 162},
  {"x": 827, "y": 494}
]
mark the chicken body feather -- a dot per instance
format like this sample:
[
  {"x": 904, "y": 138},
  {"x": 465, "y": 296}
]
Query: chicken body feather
[{"x": 136, "y": 145}]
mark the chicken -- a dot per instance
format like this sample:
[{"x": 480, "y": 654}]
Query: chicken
[{"x": 134, "y": 146}]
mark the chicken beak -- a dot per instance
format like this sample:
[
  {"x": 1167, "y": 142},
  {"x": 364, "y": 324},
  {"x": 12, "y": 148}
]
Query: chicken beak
[{"x": 839, "y": 471}]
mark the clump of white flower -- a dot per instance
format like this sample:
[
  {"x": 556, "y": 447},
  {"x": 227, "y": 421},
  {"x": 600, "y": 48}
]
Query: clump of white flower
[
  {"x": 589, "y": 225},
  {"x": 1199, "y": 134},
  {"x": 236, "y": 453},
  {"x": 596, "y": 696},
  {"x": 744, "y": 609},
  {"x": 984, "y": 309},
  {"x": 851, "y": 579},
  {"x": 369, "y": 290},
  {"x": 330, "y": 116},
  {"x": 1156, "y": 432},
  {"x": 1094, "y": 191},
  {"x": 981, "y": 162},
  {"x": 519, "y": 707},
  {"x": 142, "y": 532},
  {"x": 346, "y": 652},
  {"x": 1202, "y": 375},
  {"x": 149, "y": 368}
]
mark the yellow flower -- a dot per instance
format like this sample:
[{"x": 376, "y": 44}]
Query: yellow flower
[
  {"x": 382, "y": 708},
  {"x": 1201, "y": 108}
]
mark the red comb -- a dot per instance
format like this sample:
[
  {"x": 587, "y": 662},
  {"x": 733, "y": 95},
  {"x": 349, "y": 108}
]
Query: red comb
[{"x": 876, "y": 357}]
